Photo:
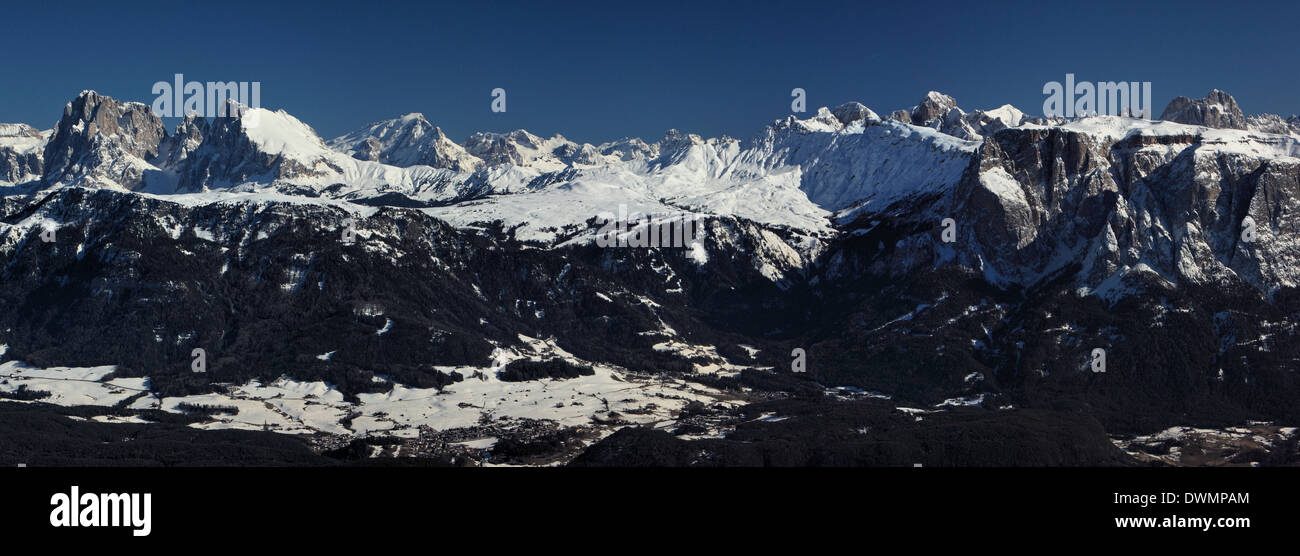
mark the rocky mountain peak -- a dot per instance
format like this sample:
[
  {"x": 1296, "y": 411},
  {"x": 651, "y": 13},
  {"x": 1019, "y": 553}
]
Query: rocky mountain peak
[
  {"x": 95, "y": 135},
  {"x": 934, "y": 106},
  {"x": 675, "y": 140},
  {"x": 850, "y": 112},
  {"x": 410, "y": 140},
  {"x": 1218, "y": 110},
  {"x": 628, "y": 148},
  {"x": 497, "y": 148}
]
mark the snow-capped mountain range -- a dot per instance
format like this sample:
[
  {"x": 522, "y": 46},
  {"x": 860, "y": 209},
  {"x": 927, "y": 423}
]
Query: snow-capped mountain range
[
  {"x": 942, "y": 257},
  {"x": 805, "y": 175}
]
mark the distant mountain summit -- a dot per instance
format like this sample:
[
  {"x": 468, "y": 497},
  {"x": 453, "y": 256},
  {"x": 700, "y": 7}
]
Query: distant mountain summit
[
  {"x": 21, "y": 156},
  {"x": 407, "y": 141},
  {"x": 939, "y": 111},
  {"x": 1218, "y": 110}
]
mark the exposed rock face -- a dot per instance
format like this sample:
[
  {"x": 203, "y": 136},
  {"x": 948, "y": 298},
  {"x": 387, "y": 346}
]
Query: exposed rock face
[
  {"x": 502, "y": 148},
  {"x": 933, "y": 107},
  {"x": 853, "y": 112},
  {"x": 675, "y": 141},
  {"x": 940, "y": 111},
  {"x": 1218, "y": 110},
  {"x": 104, "y": 142},
  {"x": 573, "y": 153},
  {"x": 176, "y": 150},
  {"x": 21, "y": 149}
]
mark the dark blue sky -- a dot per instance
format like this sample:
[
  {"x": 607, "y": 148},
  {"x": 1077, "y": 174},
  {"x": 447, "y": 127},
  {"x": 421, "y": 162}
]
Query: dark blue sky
[{"x": 595, "y": 71}]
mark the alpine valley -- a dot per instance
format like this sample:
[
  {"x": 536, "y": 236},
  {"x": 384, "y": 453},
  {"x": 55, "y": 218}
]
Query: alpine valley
[{"x": 395, "y": 297}]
